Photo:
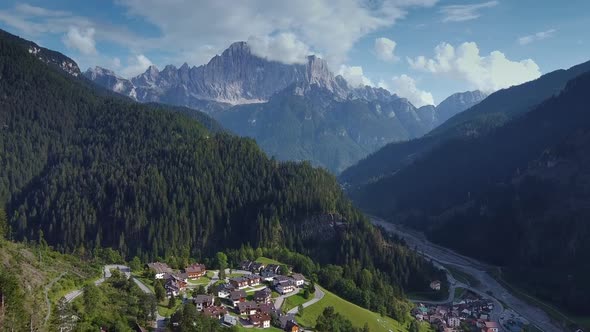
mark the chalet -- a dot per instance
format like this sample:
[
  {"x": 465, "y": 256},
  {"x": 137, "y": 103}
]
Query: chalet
[
  {"x": 490, "y": 327},
  {"x": 230, "y": 320},
  {"x": 245, "y": 265},
  {"x": 263, "y": 296},
  {"x": 160, "y": 269},
  {"x": 279, "y": 278},
  {"x": 268, "y": 308},
  {"x": 253, "y": 279},
  {"x": 453, "y": 322},
  {"x": 285, "y": 287},
  {"x": 174, "y": 286},
  {"x": 237, "y": 296},
  {"x": 260, "y": 320},
  {"x": 203, "y": 301},
  {"x": 273, "y": 268},
  {"x": 292, "y": 327},
  {"x": 257, "y": 267},
  {"x": 195, "y": 271},
  {"x": 267, "y": 276},
  {"x": 215, "y": 312},
  {"x": 239, "y": 282},
  {"x": 247, "y": 308},
  {"x": 286, "y": 320},
  {"x": 435, "y": 285},
  {"x": 223, "y": 293},
  {"x": 299, "y": 279}
]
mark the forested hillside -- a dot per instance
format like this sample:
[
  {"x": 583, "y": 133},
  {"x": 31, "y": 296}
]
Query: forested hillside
[
  {"x": 494, "y": 111},
  {"x": 89, "y": 171},
  {"x": 517, "y": 197}
]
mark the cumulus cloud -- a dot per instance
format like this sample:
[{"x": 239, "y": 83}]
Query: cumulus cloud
[
  {"x": 460, "y": 13},
  {"x": 284, "y": 47},
  {"x": 81, "y": 40},
  {"x": 385, "y": 49},
  {"x": 354, "y": 75},
  {"x": 524, "y": 40},
  {"x": 136, "y": 66},
  {"x": 487, "y": 73},
  {"x": 405, "y": 87}
]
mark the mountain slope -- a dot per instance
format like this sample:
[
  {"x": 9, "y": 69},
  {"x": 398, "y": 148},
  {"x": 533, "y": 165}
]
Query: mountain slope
[
  {"x": 90, "y": 171},
  {"x": 492, "y": 112},
  {"x": 315, "y": 126},
  {"x": 523, "y": 185}
]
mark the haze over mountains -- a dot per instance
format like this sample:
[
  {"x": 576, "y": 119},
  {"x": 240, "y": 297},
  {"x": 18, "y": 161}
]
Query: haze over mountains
[{"x": 294, "y": 111}]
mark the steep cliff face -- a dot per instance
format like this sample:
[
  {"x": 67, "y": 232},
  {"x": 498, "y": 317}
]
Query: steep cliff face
[{"x": 457, "y": 103}]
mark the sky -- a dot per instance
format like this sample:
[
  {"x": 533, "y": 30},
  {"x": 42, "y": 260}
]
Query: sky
[{"x": 423, "y": 50}]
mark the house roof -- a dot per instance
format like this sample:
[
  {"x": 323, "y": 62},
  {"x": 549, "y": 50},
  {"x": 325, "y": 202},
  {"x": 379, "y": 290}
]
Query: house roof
[
  {"x": 248, "y": 305},
  {"x": 491, "y": 325},
  {"x": 214, "y": 311},
  {"x": 298, "y": 276},
  {"x": 159, "y": 267},
  {"x": 285, "y": 319},
  {"x": 263, "y": 293},
  {"x": 203, "y": 299},
  {"x": 195, "y": 268},
  {"x": 237, "y": 294},
  {"x": 259, "y": 318}
]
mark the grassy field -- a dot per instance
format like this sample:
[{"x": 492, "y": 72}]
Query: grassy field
[
  {"x": 461, "y": 276},
  {"x": 295, "y": 300},
  {"x": 459, "y": 292},
  {"x": 357, "y": 315},
  {"x": 167, "y": 312},
  {"x": 265, "y": 260}
]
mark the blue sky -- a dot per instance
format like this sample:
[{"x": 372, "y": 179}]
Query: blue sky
[{"x": 423, "y": 50}]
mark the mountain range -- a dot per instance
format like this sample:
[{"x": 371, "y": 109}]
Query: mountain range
[{"x": 294, "y": 111}]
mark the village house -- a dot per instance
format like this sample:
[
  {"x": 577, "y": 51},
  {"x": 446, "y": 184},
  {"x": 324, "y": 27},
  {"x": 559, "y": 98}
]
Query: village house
[
  {"x": 435, "y": 285},
  {"x": 273, "y": 268},
  {"x": 267, "y": 275},
  {"x": 253, "y": 279},
  {"x": 160, "y": 269},
  {"x": 174, "y": 285},
  {"x": 453, "y": 322},
  {"x": 195, "y": 271},
  {"x": 284, "y": 287},
  {"x": 260, "y": 320},
  {"x": 237, "y": 296},
  {"x": 223, "y": 292},
  {"x": 287, "y": 323},
  {"x": 203, "y": 301},
  {"x": 263, "y": 296},
  {"x": 215, "y": 312},
  {"x": 239, "y": 282},
  {"x": 490, "y": 327},
  {"x": 268, "y": 308},
  {"x": 299, "y": 279},
  {"x": 230, "y": 320},
  {"x": 257, "y": 267},
  {"x": 245, "y": 265},
  {"x": 247, "y": 308}
]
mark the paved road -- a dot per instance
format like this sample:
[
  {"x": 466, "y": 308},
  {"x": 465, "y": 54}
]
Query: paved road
[
  {"x": 160, "y": 320},
  {"x": 279, "y": 300},
  {"x": 475, "y": 268},
  {"x": 318, "y": 295}
]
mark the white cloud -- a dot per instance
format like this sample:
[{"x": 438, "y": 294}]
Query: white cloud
[
  {"x": 330, "y": 27},
  {"x": 536, "y": 37},
  {"x": 284, "y": 47},
  {"x": 405, "y": 87},
  {"x": 29, "y": 10},
  {"x": 460, "y": 13},
  {"x": 81, "y": 40},
  {"x": 354, "y": 75},
  {"x": 136, "y": 66},
  {"x": 385, "y": 49},
  {"x": 487, "y": 73}
]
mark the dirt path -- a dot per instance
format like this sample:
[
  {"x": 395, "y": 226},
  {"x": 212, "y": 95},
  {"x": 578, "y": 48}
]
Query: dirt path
[{"x": 47, "y": 288}]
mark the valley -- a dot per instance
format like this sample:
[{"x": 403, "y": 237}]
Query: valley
[{"x": 487, "y": 286}]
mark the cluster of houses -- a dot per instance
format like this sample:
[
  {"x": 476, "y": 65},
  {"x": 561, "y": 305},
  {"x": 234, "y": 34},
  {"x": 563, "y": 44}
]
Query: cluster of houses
[
  {"x": 246, "y": 299},
  {"x": 448, "y": 318},
  {"x": 176, "y": 281}
]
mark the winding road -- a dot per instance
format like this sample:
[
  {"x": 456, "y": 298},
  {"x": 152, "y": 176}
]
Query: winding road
[
  {"x": 487, "y": 284},
  {"x": 317, "y": 296}
]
